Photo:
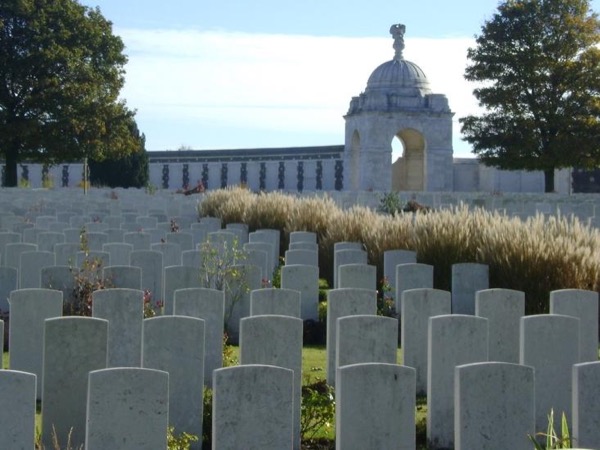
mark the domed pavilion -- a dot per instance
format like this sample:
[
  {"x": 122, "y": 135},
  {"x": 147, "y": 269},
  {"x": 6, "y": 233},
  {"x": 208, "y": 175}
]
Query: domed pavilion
[{"x": 398, "y": 104}]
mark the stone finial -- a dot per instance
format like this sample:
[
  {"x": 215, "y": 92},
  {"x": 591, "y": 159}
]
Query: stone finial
[{"x": 397, "y": 31}]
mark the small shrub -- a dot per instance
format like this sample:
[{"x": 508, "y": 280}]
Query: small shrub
[
  {"x": 47, "y": 182},
  {"x": 182, "y": 441},
  {"x": 229, "y": 358},
  {"x": 323, "y": 289},
  {"x": 220, "y": 269},
  {"x": 150, "y": 189},
  {"x": 318, "y": 409},
  {"x": 151, "y": 307},
  {"x": 207, "y": 401},
  {"x": 385, "y": 303},
  {"x": 390, "y": 203},
  {"x": 553, "y": 440},
  {"x": 276, "y": 281},
  {"x": 88, "y": 278}
]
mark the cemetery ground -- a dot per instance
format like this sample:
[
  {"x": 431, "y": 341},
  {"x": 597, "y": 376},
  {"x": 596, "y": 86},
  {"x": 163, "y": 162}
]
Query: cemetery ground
[
  {"x": 314, "y": 367},
  {"x": 535, "y": 254}
]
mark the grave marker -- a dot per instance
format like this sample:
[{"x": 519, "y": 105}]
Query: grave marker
[
  {"x": 73, "y": 346},
  {"x": 253, "y": 408},
  {"x": 453, "y": 340},
  {"x": 127, "y": 408}
]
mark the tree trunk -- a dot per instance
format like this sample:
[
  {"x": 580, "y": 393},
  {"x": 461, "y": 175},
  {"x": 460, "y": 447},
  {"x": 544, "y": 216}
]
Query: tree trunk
[
  {"x": 10, "y": 174},
  {"x": 549, "y": 180}
]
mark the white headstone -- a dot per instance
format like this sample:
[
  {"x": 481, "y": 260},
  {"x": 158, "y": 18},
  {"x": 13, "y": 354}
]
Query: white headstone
[
  {"x": 171, "y": 253},
  {"x": 253, "y": 408},
  {"x": 418, "y": 305},
  {"x": 29, "y": 309},
  {"x": 209, "y": 305},
  {"x": 503, "y": 308},
  {"x": 586, "y": 404},
  {"x": 304, "y": 279},
  {"x": 175, "y": 344},
  {"x": 120, "y": 253},
  {"x": 179, "y": 277},
  {"x": 375, "y": 407},
  {"x": 66, "y": 253},
  {"x": 582, "y": 304},
  {"x": 490, "y": 399},
  {"x": 346, "y": 256},
  {"x": 277, "y": 341},
  {"x": 48, "y": 239},
  {"x": 17, "y": 415},
  {"x": 391, "y": 259},
  {"x": 467, "y": 279},
  {"x": 271, "y": 301},
  {"x": 361, "y": 276},
  {"x": 453, "y": 340},
  {"x": 73, "y": 346},
  {"x": 307, "y": 257},
  {"x": 152, "y": 272},
  {"x": 8, "y": 283},
  {"x": 124, "y": 310},
  {"x": 340, "y": 303},
  {"x": 127, "y": 408},
  {"x": 550, "y": 344},
  {"x": 139, "y": 240},
  {"x": 411, "y": 276},
  {"x": 30, "y": 270}
]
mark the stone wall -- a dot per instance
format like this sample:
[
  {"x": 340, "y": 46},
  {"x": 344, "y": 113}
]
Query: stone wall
[{"x": 293, "y": 174}]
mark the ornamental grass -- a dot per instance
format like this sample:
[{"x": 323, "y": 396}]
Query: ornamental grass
[{"x": 535, "y": 256}]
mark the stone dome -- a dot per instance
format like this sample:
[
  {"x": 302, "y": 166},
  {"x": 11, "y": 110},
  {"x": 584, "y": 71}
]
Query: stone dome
[{"x": 400, "y": 77}]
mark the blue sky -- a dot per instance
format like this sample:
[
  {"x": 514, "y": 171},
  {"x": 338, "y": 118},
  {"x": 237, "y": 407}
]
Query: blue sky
[{"x": 280, "y": 73}]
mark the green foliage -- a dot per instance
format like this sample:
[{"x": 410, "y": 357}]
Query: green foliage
[
  {"x": 537, "y": 67},
  {"x": 221, "y": 269},
  {"x": 322, "y": 310},
  {"x": 182, "y": 441},
  {"x": 56, "y": 445},
  {"x": 229, "y": 355},
  {"x": 553, "y": 440},
  {"x": 61, "y": 72},
  {"x": 390, "y": 203},
  {"x": 88, "y": 278},
  {"x": 317, "y": 410},
  {"x": 276, "y": 281},
  {"x": 385, "y": 303},
  {"x": 151, "y": 307},
  {"x": 127, "y": 171},
  {"x": 323, "y": 289},
  {"x": 207, "y": 401}
]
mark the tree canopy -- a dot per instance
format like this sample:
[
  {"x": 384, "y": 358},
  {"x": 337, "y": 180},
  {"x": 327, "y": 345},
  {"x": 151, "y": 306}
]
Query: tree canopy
[
  {"x": 127, "y": 171},
  {"x": 537, "y": 68},
  {"x": 61, "y": 72}
]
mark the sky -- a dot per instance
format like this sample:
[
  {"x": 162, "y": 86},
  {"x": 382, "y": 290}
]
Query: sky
[{"x": 227, "y": 74}]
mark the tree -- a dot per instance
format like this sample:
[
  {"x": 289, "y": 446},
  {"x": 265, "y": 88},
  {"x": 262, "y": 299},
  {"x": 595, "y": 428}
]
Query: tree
[
  {"x": 128, "y": 171},
  {"x": 538, "y": 73},
  {"x": 61, "y": 71}
]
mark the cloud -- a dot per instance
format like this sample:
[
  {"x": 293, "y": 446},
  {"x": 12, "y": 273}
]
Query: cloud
[{"x": 300, "y": 84}]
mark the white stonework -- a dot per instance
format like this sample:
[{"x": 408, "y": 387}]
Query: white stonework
[{"x": 398, "y": 103}]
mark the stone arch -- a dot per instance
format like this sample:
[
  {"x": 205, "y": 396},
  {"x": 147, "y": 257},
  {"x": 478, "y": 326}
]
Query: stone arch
[
  {"x": 355, "y": 161},
  {"x": 409, "y": 171}
]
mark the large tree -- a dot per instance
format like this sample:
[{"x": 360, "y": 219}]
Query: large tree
[
  {"x": 61, "y": 71},
  {"x": 127, "y": 171},
  {"x": 537, "y": 66}
]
